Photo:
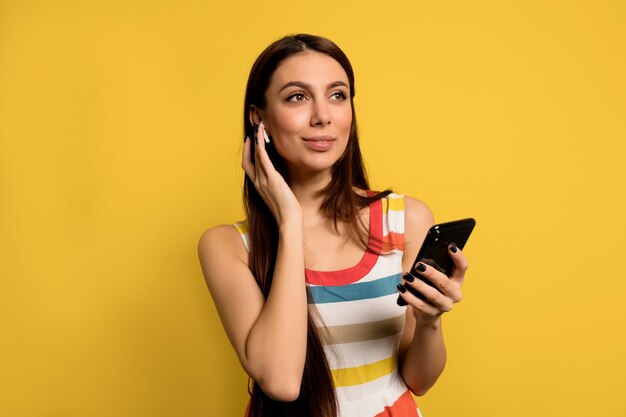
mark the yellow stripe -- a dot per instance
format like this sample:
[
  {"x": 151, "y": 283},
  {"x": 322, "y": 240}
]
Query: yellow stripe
[
  {"x": 362, "y": 374},
  {"x": 242, "y": 227},
  {"x": 395, "y": 204}
]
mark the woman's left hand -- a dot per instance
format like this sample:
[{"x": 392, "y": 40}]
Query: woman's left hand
[{"x": 440, "y": 299}]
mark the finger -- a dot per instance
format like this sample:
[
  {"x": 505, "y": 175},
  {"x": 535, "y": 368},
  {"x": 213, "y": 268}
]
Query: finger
[
  {"x": 260, "y": 144},
  {"x": 440, "y": 281},
  {"x": 258, "y": 171},
  {"x": 263, "y": 165},
  {"x": 246, "y": 159},
  {"x": 416, "y": 303},
  {"x": 433, "y": 296},
  {"x": 460, "y": 263}
]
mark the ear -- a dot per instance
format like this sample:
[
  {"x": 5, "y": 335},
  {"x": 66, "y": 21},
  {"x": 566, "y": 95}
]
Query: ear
[{"x": 254, "y": 114}]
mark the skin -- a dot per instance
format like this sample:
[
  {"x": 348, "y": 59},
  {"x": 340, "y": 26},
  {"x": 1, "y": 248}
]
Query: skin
[{"x": 269, "y": 336}]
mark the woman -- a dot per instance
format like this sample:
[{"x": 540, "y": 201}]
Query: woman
[{"x": 306, "y": 287}]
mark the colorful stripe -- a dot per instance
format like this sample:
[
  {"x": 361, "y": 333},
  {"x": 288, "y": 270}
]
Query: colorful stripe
[
  {"x": 242, "y": 227},
  {"x": 351, "y": 333},
  {"x": 365, "y": 373},
  {"x": 403, "y": 407},
  {"x": 393, "y": 241},
  {"x": 391, "y": 203},
  {"x": 322, "y": 294}
]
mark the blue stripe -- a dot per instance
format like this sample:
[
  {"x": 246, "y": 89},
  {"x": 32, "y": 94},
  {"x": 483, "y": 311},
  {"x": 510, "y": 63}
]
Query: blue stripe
[{"x": 359, "y": 291}]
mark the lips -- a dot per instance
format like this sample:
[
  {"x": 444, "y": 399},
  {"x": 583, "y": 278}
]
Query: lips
[{"x": 319, "y": 143}]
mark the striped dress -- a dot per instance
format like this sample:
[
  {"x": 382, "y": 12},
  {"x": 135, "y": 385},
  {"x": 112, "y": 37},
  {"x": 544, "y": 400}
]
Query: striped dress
[{"x": 358, "y": 307}]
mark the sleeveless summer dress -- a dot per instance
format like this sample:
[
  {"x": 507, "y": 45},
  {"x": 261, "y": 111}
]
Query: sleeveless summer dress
[{"x": 358, "y": 307}]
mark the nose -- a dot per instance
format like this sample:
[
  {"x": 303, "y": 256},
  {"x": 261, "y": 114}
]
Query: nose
[{"x": 321, "y": 113}]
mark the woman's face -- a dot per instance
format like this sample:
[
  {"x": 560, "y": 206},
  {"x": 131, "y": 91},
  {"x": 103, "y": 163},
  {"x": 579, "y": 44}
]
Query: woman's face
[{"x": 308, "y": 111}]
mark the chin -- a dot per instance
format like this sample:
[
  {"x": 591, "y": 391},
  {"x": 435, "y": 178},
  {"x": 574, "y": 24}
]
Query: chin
[
  {"x": 314, "y": 161},
  {"x": 322, "y": 162}
]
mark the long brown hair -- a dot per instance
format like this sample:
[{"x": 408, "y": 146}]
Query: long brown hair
[{"x": 341, "y": 203}]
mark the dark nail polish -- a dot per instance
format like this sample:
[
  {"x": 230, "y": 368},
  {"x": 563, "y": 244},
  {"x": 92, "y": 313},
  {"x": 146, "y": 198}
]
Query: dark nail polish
[
  {"x": 452, "y": 247},
  {"x": 401, "y": 288},
  {"x": 255, "y": 126},
  {"x": 421, "y": 267},
  {"x": 244, "y": 139},
  {"x": 401, "y": 302},
  {"x": 408, "y": 277}
]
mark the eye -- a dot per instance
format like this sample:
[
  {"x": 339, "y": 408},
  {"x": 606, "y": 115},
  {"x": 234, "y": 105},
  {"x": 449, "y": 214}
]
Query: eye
[
  {"x": 296, "y": 97},
  {"x": 339, "y": 95}
]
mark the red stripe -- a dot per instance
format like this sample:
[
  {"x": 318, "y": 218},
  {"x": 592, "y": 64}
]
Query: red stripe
[
  {"x": 393, "y": 241},
  {"x": 367, "y": 262},
  {"x": 403, "y": 407}
]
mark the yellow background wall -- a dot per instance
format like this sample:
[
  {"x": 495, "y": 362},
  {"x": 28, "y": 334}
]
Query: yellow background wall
[{"x": 120, "y": 139}]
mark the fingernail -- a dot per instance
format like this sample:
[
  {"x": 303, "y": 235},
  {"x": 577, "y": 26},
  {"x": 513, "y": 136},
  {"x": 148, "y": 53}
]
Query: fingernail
[
  {"x": 421, "y": 267},
  {"x": 408, "y": 277},
  {"x": 401, "y": 288},
  {"x": 453, "y": 247},
  {"x": 401, "y": 302},
  {"x": 255, "y": 126},
  {"x": 245, "y": 138}
]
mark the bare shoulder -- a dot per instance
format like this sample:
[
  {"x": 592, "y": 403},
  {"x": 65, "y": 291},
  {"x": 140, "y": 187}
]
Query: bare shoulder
[
  {"x": 417, "y": 220},
  {"x": 224, "y": 236},
  {"x": 221, "y": 242},
  {"x": 418, "y": 217},
  {"x": 236, "y": 295}
]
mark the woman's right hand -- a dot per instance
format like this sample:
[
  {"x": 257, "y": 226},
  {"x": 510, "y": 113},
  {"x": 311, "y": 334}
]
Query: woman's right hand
[{"x": 268, "y": 182}]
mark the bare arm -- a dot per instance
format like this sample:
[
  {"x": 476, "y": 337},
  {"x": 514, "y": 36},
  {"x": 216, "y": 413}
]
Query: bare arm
[
  {"x": 422, "y": 349},
  {"x": 269, "y": 336}
]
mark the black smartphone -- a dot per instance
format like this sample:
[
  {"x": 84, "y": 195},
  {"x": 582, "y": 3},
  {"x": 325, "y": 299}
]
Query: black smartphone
[{"x": 434, "y": 250}]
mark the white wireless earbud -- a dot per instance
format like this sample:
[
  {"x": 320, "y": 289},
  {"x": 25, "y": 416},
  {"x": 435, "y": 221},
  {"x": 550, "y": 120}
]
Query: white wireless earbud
[{"x": 267, "y": 139}]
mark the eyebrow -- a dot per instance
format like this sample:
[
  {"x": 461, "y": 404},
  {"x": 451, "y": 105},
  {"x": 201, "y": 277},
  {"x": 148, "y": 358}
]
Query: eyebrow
[{"x": 308, "y": 86}]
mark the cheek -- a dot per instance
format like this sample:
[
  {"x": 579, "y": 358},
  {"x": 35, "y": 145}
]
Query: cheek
[
  {"x": 288, "y": 122},
  {"x": 345, "y": 119}
]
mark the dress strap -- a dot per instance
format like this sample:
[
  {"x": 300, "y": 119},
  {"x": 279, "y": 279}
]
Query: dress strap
[
  {"x": 242, "y": 228},
  {"x": 393, "y": 223}
]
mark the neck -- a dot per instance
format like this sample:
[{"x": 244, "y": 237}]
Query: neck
[{"x": 306, "y": 186}]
